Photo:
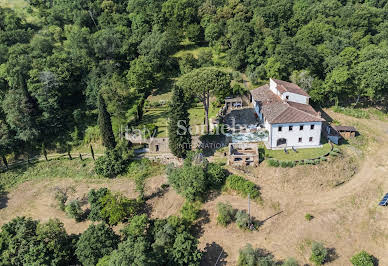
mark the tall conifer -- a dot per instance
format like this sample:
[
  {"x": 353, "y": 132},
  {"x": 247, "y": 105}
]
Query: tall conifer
[{"x": 178, "y": 126}]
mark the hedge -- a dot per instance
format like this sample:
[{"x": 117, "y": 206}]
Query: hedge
[{"x": 242, "y": 186}]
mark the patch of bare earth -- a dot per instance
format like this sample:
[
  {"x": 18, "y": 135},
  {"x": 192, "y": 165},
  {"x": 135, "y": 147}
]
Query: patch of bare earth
[
  {"x": 36, "y": 199},
  {"x": 342, "y": 195}
]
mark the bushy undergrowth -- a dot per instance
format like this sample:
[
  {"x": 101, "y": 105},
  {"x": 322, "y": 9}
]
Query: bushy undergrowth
[
  {"x": 190, "y": 210},
  {"x": 362, "y": 259},
  {"x": 318, "y": 253},
  {"x": 242, "y": 186},
  {"x": 226, "y": 213},
  {"x": 242, "y": 219},
  {"x": 73, "y": 210}
]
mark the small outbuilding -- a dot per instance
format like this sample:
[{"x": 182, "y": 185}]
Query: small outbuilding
[
  {"x": 346, "y": 132},
  {"x": 232, "y": 103}
]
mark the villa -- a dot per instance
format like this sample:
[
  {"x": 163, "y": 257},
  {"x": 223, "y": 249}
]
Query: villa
[{"x": 283, "y": 109}]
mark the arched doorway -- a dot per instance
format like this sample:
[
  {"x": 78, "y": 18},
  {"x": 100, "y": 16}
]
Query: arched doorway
[{"x": 281, "y": 142}]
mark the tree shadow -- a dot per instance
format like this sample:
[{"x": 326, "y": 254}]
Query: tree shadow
[
  {"x": 331, "y": 255},
  {"x": 159, "y": 193},
  {"x": 3, "y": 198},
  {"x": 204, "y": 218},
  {"x": 214, "y": 255},
  {"x": 375, "y": 261}
]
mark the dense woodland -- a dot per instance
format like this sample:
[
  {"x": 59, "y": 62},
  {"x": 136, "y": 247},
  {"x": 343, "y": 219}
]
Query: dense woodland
[{"x": 54, "y": 67}]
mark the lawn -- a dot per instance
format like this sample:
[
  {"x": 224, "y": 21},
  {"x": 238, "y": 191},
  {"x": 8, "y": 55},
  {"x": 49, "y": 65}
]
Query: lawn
[
  {"x": 73, "y": 169},
  {"x": 302, "y": 154}
]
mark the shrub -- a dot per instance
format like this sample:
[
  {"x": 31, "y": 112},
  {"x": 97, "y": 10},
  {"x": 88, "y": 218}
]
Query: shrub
[
  {"x": 117, "y": 208},
  {"x": 73, "y": 210},
  {"x": 94, "y": 199},
  {"x": 190, "y": 211},
  {"x": 61, "y": 198},
  {"x": 242, "y": 186},
  {"x": 189, "y": 181},
  {"x": 225, "y": 213},
  {"x": 323, "y": 159},
  {"x": 284, "y": 164},
  {"x": 111, "y": 164},
  {"x": 247, "y": 256},
  {"x": 273, "y": 163},
  {"x": 318, "y": 253},
  {"x": 251, "y": 257},
  {"x": 242, "y": 219},
  {"x": 216, "y": 175},
  {"x": 290, "y": 262},
  {"x": 137, "y": 227},
  {"x": 308, "y": 217},
  {"x": 362, "y": 259}
]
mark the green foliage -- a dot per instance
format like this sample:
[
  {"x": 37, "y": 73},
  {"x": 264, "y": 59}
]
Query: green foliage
[
  {"x": 242, "y": 186},
  {"x": 24, "y": 241},
  {"x": 73, "y": 210},
  {"x": 318, "y": 253},
  {"x": 216, "y": 175},
  {"x": 290, "y": 262},
  {"x": 190, "y": 211},
  {"x": 117, "y": 208},
  {"x": 254, "y": 257},
  {"x": 105, "y": 124},
  {"x": 357, "y": 113},
  {"x": 184, "y": 251},
  {"x": 94, "y": 199},
  {"x": 273, "y": 163},
  {"x": 178, "y": 125},
  {"x": 308, "y": 217},
  {"x": 61, "y": 198},
  {"x": 202, "y": 82},
  {"x": 187, "y": 63},
  {"x": 226, "y": 213},
  {"x": 137, "y": 227},
  {"x": 362, "y": 259},
  {"x": 113, "y": 163},
  {"x": 96, "y": 242},
  {"x": 242, "y": 219}
]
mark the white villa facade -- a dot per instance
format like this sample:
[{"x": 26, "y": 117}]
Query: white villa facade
[{"x": 285, "y": 112}]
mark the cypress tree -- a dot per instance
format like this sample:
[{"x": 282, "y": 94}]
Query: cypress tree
[
  {"x": 178, "y": 125},
  {"x": 104, "y": 121}
]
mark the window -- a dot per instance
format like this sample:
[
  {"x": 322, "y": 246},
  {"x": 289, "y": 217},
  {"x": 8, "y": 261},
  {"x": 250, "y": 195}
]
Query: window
[
  {"x": 300, "y": 140},
  {"x": 157, "y": 147},
  {"x": 300, "y": 127},
  {"x": 287, "y": 97},
  {"x": 280, "y": 128},
  {"x": 311, "y": 139},
  {"x": 312, "y": 127},
  {"x": 290, "y": 128}
]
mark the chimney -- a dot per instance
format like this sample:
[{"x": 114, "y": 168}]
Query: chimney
[{"x": 319, "y": 114}]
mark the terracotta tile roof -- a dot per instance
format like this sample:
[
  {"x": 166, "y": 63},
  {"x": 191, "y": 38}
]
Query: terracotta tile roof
[
  {"x": 284, "y": 86},
  {"x": 277, "y": 111},
  {"x": 294, "y": 115},
  {"x": 303, "y": 107},
  {"x": 264, "y": 95}
]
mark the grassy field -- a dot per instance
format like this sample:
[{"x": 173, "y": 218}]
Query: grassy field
[
  {"x": 74, "y": 169},
  {"x": 300, "y": 155}
]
